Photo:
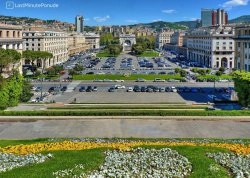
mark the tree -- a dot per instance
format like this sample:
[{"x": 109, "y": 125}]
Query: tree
[
  {"x": 242, "y": 85},
  {"x": 177, "y": 70},
  {"x": 26, "y": 91},
  {"x": 107, "y": 39},
  {"x": 114, "y": 49},
  {"x": 78, "y": 67},
  {"x": 183, "y": 73},
  {"x": 137, "y": 49},
  {"x": 218, "y": 73},
  {"x": 222, "y": 69},
  {"x": 8, "y": 56}
]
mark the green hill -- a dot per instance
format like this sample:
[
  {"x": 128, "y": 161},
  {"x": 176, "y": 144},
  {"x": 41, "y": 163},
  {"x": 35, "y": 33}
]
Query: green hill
[{"x": 241, "y": 19}]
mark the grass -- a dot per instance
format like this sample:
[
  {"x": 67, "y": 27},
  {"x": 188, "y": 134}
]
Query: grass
[
  {"x": 93, "y": 158},
  {"x": 128, "y": 112},
  {"x": 105, "y": 54},
  {"x": 62, "y": 160},
  {"x": 149, "y": 54},
  {"x": 126, "y": 77},
  {"x": 128, "y": 107},
  {"x": 223, "y": 76}
]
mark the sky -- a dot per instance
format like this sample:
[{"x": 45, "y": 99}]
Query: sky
[{"x": 120, "y": 12}]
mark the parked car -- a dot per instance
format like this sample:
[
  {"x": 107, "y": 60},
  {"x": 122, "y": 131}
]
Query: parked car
[
  {"x": 64, "y": 88},
  {"x": 173, "y": 89},
  {"x": 82, "y": 89},
  {"x": 95, "y": 88},
  {"x": 119, "y": 86},
  {"x": 159, "y": 80},
  {"x": 130, "y": 89},
  {"x": 118, "y": 80},
  {"x": 111, "y": 89},
  {"x": 143, "y": 89},
  {"x": 38, "y": 89},
  {"x": 89, "y": 89},
  {"x": 51, "y": 89}
]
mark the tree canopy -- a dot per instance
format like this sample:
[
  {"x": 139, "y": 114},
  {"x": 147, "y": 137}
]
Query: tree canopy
[
  {"x": 7, "y": 57},
  {"x": 242, "y": 85}
]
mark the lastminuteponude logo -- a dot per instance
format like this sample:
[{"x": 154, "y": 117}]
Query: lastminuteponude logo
[{"x": 13, "y": 5}]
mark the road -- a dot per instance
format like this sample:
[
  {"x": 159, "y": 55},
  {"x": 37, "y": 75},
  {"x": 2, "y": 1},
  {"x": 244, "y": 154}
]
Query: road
[{"x": 110, "y": 127}]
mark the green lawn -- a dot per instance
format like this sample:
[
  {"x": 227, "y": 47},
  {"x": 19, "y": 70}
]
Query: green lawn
[
  {"x": 223, "y": 76},
  {"x": 149, "y": 54},
  {"x": 105, "y": 54},
  {"x": 93, "y": 158},
  {"x": 127, "y": 112},
  {"x": 126, "y": 77}
]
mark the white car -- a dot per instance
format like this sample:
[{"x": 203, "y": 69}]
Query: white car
[
  {"x": 119, "y": 80},
  {"x": 173, "y": 89},
  {"x": 159, "y": 80},
  {"x": 130, "y": 89},
  {"x": 119, "y": 86}
]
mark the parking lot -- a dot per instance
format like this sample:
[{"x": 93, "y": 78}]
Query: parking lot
[{"x": 160, "y": 92}]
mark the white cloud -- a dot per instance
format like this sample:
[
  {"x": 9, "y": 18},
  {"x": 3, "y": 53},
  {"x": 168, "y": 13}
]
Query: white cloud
[
  {"x": 169, "y": 11},
  {"x": 131, "y": 21},
  {"x": 157, "y": 20},
  {"x": 232, "y": 3},
  {"x": 101, "y": 19},
  {"x": 87, "y": 19}
]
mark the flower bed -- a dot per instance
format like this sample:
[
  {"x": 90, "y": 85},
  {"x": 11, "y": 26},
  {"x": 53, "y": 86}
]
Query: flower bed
[
  {"x": 10, "y": 161},
  {"x": 238, "y": 164},
  {"x": 120, "y": 145},
  {"x": 141, "y": 162}
]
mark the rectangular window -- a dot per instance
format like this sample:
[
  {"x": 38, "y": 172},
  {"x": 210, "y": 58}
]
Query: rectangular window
[
  {"x": 239, "y": 44},
  {"x": 0, "y": 34},
  {"x": 245, "y": 45}
]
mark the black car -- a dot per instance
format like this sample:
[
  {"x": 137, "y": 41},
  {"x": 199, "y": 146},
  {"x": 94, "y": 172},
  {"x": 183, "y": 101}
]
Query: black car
[
  {"x": 89, "y": 89},
  {"x": 137, "y": 88},
  {"x": 95, "y": 88},
  {"x": 64, "y": 88},
  {"x": 51, "y": 89},
  {"x": 82, "y": 89},
  {"x": 111, "y": 89},
  {"x": 143, "y": 89}
]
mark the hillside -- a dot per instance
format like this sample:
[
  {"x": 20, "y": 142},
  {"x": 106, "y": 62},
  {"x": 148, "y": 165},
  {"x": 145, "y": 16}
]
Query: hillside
[
  {"x": 160, "y": 24},
  {"x": 241, "y": 19}
]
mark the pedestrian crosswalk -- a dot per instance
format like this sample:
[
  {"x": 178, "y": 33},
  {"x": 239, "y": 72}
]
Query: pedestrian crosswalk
[{"x": 72, "y": 86}]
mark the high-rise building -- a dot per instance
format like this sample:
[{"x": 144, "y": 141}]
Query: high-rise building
[
  {"x": 79, "y": 24},
  {"x": 212, "y": 17}
]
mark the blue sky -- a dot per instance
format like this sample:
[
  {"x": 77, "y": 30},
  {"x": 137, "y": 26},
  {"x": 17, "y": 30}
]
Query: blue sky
[{"x": 122, "y": 12}]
